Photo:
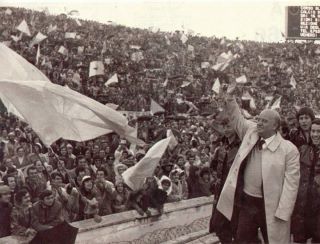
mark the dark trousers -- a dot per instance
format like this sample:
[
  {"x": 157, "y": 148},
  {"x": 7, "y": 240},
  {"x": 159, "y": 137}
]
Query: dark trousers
[{"x": 251, "y": 218}]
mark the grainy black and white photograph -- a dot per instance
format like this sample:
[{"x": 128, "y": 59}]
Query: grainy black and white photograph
[{"x": 159, "y": 122}]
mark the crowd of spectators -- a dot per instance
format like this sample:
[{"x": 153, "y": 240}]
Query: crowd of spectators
[{"x": 73, "y": 181}]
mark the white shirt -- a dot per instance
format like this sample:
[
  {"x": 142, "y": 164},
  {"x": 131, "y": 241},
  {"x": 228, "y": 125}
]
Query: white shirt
[{"x": 268, "y": 141}]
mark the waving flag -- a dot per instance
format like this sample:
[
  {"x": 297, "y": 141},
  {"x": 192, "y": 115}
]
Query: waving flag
[
  {"x": 37, "y": 39},
  {"x": 293, "y": 82},
  {"x": 23, "y": 27},
  {"x": 216, "y": 86},
  {"x": 96, "y": 68},
  {"x": 70, "y": 35},
  {"x": 54, "y": 111},
  {"x": 173, "y": 141},
  {"x": 113, "y": 79},
  {"x": 184, "y": 38},
  {"x": 135, "y": 176},
  {"x": 276, "y": 104},
  {"x": 52, "y": 28},
  {"x": 155, "y": 108},
  {"x": 242, "y": 79}
]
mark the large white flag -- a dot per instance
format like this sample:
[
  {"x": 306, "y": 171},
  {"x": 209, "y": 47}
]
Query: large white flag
[
  {"x": 54, "y": 111},
  {"x": 23, "y": 27},
  {"x": 155, "y": 108},
  {"x": 135, "y": 176},
  {"x": 113, "y": 79},
  {"x": 96, "y": 68}
]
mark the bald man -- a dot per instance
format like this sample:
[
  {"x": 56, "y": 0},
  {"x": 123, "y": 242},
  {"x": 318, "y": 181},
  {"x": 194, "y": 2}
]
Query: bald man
[{"x": 261, "y": 188}]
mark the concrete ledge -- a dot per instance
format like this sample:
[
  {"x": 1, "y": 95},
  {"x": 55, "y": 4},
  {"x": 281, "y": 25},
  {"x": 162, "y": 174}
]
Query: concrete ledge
[
  {"x": 188, "y": 238},
  {"x": 179, "y": 218}
]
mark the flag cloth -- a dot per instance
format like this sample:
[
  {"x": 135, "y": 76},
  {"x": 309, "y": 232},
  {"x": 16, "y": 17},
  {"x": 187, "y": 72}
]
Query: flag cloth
[
  {"x": 54, "y": 111},
  {"x": 165, "y": 83},
  {"x": 8, "y": 11},
  {"x": 184, "y": 38},
  {"x": 293, "y": 82},
  {"x": 16, "y": 38},
  {"x": 242, "y": 79},
  {"x": 173, "y": 141},
  {"x": 38, "y": 55},
  {"x": 205, "y": 65},
  {"x": 216, "y": 86},
  {"x": 63, "y": 50},
  {"x": 76, "y": 78},
  {"x": 276, "y": 104},
  {"x": 104, "y": 47},
  {"x": 37, "y": 39},
  {"x": 70, "y": 35},
  {"x": 190, "y": 48},
  {"x": 155, "y": 108},
  {"x": 223, "y": 61},
  {"x": 96, "y": 68},
  {"x": 23, "y": 27},
  {"x": 185, "y": 83},
  {"x": 135, "y": 176},
  {"x": 52, "y": 28},
  {"x": 113, "y": 79}
]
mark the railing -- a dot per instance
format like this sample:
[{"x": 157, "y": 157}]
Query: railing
[{"x": 179, "y": 218}]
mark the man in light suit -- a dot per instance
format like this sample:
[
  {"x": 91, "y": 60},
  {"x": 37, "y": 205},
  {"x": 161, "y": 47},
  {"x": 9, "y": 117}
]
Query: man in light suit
[{"x": 261, "y": 188}]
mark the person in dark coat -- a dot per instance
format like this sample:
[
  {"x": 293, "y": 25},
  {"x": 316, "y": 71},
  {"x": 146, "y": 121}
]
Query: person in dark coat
[
  {"x": 5, "y": 210},
  {"x": 47, "y": 212},
  {"x": 301, "y": 136},
  {"x": 306, "y": 216}
]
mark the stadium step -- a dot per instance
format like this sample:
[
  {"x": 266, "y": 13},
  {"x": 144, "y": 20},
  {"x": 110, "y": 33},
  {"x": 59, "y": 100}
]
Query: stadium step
[{"x": 196, "y": 237}]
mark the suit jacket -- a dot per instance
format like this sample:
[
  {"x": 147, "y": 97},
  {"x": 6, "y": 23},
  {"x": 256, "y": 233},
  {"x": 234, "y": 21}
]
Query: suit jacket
[{"x": 280, "y": 176}]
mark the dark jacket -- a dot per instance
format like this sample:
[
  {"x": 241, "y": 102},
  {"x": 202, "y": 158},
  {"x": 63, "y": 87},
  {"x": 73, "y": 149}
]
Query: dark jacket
[
  {"x": 306, "y": 213},
  {"x": 5, "y": 211},
  {"x": 20, "y": 220},
  {"x": 44, "y": 217}
]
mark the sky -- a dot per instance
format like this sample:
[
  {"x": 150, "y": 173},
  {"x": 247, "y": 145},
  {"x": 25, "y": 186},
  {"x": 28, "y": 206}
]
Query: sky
[{"x": 259, "y": 20}]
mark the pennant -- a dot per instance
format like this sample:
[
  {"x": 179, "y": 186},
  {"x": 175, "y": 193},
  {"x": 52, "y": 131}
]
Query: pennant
[
  {"x": 38, "y": 55},
  {"x": 276, "y": 104},
  {"x": 70, "y": 35},
  {"x": 137, "y": 56},
  {"x": 23, "y": 27},
  {"x": 63, "y": 50},
  {"x": 293, "y": 82},
  {"x": 113, "y": 79},
  {"x": 52, "y": 28},
  {"x": 63, "y": 113},
  {"x": 155, "y": 108},
  {"x": 205, "y": 65},
  {"x": 173, "y": 141},
  {"x": 96, "y": 68},
  {"x": 135, "y": 176},
  {"x": 184, "y": 38},
  {"x": 185, "y": 84},
  {"x": 37, "y": 39},
  {"x": 242, "y": 79},
  {"x": 216, "y": 86},
  {"x": 165, "y": 83},
  {"x": 8, "y": 11},
  {"x": 76, "y": 78}
]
